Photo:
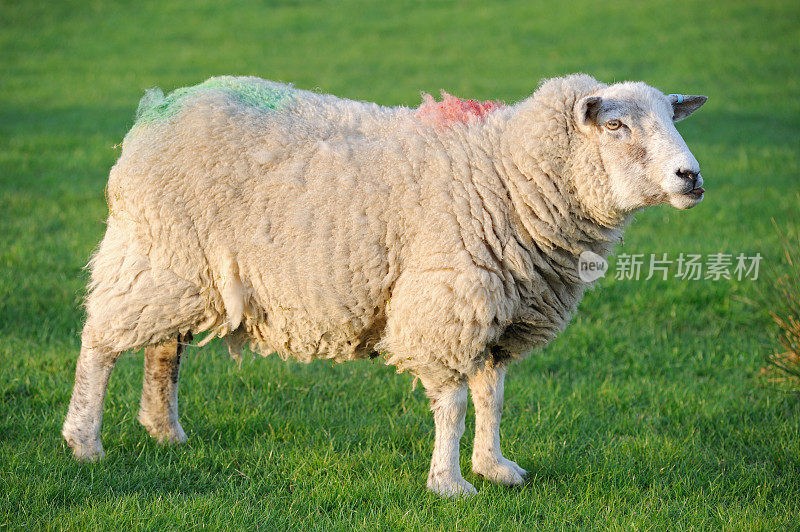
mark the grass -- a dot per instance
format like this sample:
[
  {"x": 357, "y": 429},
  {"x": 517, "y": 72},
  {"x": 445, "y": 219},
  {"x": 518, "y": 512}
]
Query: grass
[
  {"x": 647, "y": 413},
  {"x": 780, "y": 298}
]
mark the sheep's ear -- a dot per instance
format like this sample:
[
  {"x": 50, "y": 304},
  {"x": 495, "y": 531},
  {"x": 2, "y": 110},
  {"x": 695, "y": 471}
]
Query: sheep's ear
[
  {"x": 685, "y": 104},
  {"x": 587, "y": 110}
]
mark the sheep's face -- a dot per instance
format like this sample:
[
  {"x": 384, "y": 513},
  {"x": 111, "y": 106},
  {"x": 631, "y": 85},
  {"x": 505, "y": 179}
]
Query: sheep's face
[{"x": 644, "y": 156}]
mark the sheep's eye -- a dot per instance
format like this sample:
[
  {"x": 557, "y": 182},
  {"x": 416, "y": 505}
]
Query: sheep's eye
[{"x": 613, "y": 124}]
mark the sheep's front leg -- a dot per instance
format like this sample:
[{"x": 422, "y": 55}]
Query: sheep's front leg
[
  {"x": 449, "y": 406},
  {"x": 85, "y": 415},
  {"x": 487, "y": 460},
  {"x": 159, "y": 405}
]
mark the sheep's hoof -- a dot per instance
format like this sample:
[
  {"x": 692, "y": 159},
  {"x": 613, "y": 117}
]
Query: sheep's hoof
[
  {"x": 174, "y": 436},
  {"x": 451, "y": 486},
  {"x": 83, "y": 450},
  {"x": 164, "y": 433},
  {"x": 502, "y": 471}
]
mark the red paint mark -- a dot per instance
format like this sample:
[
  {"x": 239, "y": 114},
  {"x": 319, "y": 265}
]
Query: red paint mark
[{"x": 452, "y": 109}]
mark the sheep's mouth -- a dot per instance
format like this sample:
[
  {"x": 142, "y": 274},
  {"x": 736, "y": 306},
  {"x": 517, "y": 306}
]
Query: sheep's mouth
[{"x": 696, "y": 193}]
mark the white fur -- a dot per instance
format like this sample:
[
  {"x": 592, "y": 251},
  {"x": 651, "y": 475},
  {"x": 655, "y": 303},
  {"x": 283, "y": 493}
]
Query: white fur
[{"x": 329, "y": 228}]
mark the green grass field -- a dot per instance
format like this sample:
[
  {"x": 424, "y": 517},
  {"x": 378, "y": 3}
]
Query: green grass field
[{"x": 647, "y": 413}]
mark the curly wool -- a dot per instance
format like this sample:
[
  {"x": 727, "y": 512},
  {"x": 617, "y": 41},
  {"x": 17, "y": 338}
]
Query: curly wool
[
  {"x": 319, "y": 227},
  {"x": 452, "y": 109}
]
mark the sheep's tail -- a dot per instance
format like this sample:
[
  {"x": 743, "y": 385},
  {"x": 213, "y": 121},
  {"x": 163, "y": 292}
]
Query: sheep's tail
[{"x": 152, "y": 99}]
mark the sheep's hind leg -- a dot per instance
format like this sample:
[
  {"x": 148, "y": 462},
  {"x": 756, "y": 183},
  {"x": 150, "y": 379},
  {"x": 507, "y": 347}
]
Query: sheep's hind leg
[
  {"x": 85, "y": 415},
  {"x": 449, "y": 406},
  {"x": 159, "y": 406},
  {"x": 487, "y": 460}
]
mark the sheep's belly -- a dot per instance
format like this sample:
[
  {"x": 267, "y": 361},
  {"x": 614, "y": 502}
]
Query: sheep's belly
[{"x": 304, "y": 339}]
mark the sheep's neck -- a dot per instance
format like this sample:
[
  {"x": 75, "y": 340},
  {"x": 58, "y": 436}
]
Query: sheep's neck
[{"x": 547, "y": 208}]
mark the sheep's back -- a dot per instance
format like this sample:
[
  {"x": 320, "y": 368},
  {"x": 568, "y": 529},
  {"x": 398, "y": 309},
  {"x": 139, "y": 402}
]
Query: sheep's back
[{"x": 298, "y": 207}]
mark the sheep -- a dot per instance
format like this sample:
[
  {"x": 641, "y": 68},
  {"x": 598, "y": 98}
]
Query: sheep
[{"x": 444, "y": 238}]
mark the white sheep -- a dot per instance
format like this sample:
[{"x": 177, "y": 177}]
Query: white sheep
[{"x": 444, "y": 238}]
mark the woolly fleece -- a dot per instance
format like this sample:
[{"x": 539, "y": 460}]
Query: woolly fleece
[
  {"x": 318, "y": 227},
  {"x": 445, "y": 238}
]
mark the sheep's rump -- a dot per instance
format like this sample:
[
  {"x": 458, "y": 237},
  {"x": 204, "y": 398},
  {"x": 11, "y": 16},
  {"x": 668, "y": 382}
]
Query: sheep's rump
[{"x": 250, "y": 209}]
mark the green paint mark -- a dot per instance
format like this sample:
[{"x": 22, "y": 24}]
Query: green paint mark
[{"x": 264, "y": 95}]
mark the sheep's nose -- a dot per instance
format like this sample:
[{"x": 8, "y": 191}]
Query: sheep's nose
[{"x": 689, "y": 175}]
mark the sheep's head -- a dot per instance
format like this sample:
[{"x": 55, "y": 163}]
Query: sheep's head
[{"x": 646, "y": 160}]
